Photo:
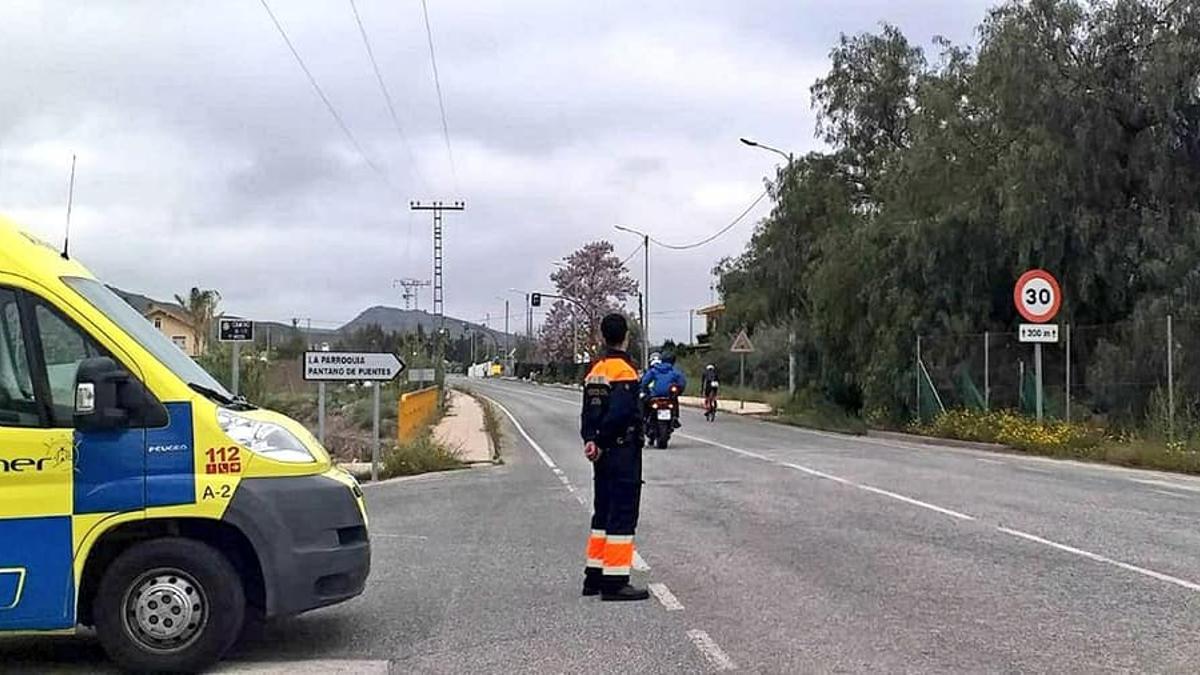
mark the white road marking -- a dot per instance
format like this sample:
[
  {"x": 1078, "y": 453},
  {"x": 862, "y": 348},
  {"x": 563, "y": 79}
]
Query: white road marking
[
  {"x": 915, "y": 502},
  {"x": 985, "y": 460},
  {"x": 315, "y": 666},
  {"x": 1102, "y": 559},
  {"x": 1168, "y": 493},
  {"x": 581, "y": 499},
  {"x": 521, "y": 430},
  {"x": 1166, "y": 484},
  {"x": 387, "y": 535},
  {"x": 665, "y": 596},
  {"x": 711, "y": 651},
  {"x": 639, "y": 563},
  {"x": 552, "y": 398},
  {"x": 838, "y": 479},
  {"x": 819, "y": 474},
  {"x": 738, "y": 451}
]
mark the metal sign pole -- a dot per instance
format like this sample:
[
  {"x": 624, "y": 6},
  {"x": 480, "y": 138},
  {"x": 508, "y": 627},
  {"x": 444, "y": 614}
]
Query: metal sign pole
[
  {"x": 987, "y": 372},
  {"x": 375, "y": 433},
  {"x": 1067, "y": 386},
  {"x": 1037, "y": 367},
  {"x": 742, "y": 402},
  {"x": 1170, "y": 379},
  {"x": 237, "y": 358},
  {"x": 321, "y": 412}
]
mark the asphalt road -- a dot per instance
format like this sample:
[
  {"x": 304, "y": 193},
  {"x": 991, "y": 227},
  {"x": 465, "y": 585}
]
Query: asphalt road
[{"x": 771, "y": 549}]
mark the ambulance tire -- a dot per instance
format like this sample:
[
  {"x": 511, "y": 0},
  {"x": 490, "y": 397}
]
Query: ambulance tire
[{"x": 217, "y": 580}]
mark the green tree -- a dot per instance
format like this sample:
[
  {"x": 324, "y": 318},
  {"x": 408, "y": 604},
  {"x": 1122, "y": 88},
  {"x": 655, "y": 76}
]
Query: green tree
[
  {"x": 1068, "y": 138},
  {"x": 201, "y": 309}
]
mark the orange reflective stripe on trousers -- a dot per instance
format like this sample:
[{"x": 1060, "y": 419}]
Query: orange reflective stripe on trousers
[
  {"x": 618, "y": 555},
  {"x": 595, "y": 549}
]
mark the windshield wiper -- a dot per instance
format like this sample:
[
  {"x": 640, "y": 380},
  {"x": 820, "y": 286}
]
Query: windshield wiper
[{"x": 235, "y": 402}]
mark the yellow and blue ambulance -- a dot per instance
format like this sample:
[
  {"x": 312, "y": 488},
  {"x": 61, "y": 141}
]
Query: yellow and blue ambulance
[{"x": 137, "y": 495}]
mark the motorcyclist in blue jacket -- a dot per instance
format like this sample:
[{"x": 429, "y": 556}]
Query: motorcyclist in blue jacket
[{"x": 660, "y": 377}]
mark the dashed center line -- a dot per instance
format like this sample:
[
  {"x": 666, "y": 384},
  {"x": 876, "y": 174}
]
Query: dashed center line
[
  {"x": 711, "y": 651},
  {"x": 665, "y": 596}
]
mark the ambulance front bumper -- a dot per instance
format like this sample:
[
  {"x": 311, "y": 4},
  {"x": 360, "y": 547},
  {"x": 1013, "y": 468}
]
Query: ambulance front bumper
[{"x": 310, "y": 538}]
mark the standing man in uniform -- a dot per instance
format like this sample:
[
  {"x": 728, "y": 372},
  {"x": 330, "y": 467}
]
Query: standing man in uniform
[{"x": 611, "y": 426}]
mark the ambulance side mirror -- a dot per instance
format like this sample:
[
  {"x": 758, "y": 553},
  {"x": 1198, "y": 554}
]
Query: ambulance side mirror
[{"x": 107, "y": 397}]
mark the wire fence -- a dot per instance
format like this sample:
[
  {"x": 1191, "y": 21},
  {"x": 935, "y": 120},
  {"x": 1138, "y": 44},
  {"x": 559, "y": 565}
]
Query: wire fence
[{"x": 1137, "y": 373}]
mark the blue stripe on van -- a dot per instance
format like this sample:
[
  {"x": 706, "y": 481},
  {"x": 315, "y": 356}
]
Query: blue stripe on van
[
  {"x": 39, "y": 549},
  {"x": 170, "y": 459},
  {"x": 110, "y": 471}
]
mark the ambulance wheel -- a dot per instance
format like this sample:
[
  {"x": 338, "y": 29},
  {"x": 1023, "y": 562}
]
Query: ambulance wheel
[{"x": 171, "y": 604}]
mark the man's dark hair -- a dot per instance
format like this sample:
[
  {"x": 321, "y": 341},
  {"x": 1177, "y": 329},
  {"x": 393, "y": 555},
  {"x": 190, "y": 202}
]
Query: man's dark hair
[{"x": 614, "y": 328}]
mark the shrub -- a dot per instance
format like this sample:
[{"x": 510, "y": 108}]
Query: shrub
[
  {"x": 1016, "y": 431},
  {"x": 421, "y": 455},
  {"x": 810, "y": 409}
]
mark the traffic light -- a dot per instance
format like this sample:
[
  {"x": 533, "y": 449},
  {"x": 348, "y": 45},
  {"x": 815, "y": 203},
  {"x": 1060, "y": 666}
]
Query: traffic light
[{"x": 535, "y": 299}]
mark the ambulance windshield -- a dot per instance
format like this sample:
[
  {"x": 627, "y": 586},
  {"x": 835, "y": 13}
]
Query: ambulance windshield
[{"x": 136, "y": 326}]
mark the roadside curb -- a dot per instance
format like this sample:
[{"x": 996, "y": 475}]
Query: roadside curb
[
  {"x": 494, "y": 452},
  {"x": 698, "y": 404},
  {"x": 405, "y": 479}
]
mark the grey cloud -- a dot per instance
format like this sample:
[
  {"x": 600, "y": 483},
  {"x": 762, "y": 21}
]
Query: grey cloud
[{"x": 206, "y": 159}]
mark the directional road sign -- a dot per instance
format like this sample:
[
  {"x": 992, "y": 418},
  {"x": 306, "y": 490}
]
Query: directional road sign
[
  {"x": 351, "y": 366},
  {"x": 741, "y": 344},
  {"x": 236, "y": 330}
]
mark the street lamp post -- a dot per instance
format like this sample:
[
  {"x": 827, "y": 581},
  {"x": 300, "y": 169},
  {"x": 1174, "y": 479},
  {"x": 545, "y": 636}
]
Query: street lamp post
[
  {"x": 507, "y": 337},
  {"x": 645, "y": 294},
  {"x": 787, "y": 156}
]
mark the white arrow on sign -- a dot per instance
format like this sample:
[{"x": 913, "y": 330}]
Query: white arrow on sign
[{"x": 351, "y": 366}]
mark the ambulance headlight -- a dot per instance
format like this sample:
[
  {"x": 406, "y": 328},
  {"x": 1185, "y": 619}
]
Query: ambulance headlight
[{"x": 264, "y": 438}]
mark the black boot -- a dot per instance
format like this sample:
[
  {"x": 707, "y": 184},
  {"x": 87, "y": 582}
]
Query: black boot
[
  {"x": 624, "y": 593},
  {"x": 619, "y": 590},
  {"x": 592, "y": 582}
]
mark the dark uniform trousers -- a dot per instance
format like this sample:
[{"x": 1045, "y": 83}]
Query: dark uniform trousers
[{"x": 612, "y": 420}]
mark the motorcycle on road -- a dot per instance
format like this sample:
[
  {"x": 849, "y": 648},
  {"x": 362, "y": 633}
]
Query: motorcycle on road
[{"x": 660, "y": 419}]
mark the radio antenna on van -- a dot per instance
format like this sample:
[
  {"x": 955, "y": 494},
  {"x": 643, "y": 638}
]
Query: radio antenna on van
[{"x": 70, "y": 197}]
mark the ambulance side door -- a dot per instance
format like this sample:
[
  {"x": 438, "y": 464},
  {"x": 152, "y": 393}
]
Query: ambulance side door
[{"x": 37, "y": 590}]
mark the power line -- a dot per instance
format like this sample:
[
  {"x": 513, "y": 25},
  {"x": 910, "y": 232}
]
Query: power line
[
  {"x": 387, "y": 97},
  {"x": 702, "y": 242},
  {"x": 321, "y": 93},
  {"x": 437, "y": 83},
  {"x": 630, "y": 256}
]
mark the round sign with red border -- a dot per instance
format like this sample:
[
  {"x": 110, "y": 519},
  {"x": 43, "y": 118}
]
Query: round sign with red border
[{"x": 1037, "y": 296}]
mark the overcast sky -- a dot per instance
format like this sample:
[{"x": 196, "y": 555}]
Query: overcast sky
[{"x": 206, "y": 158}]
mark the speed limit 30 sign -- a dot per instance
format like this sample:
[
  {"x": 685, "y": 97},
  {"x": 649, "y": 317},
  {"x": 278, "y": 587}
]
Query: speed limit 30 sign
[{"x": 1037, "y": 296}]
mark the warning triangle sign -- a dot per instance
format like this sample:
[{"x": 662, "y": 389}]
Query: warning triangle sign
[{"x": 741, "y": 344}]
